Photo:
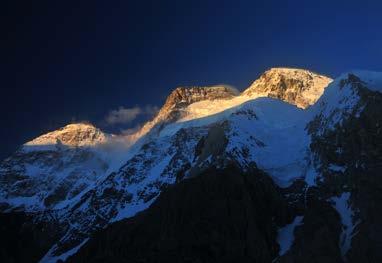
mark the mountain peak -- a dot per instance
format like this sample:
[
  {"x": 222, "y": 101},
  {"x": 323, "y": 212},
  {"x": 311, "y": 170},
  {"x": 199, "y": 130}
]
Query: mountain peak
[
  {"x": 296, "y": 86},
  {"x": 176, "y": 103},
  {"x": 182, "y": 96},
  {"x": 74, "y": 135},
  {"x": 289, "y": 70}
]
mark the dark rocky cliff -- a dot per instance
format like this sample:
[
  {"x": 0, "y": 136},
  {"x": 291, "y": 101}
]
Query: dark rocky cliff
[{"x": 220, "y": 216}]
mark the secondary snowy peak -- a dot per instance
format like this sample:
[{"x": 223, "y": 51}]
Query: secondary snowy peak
[
  {"x": 73, "y": 135},
  {"x": 371, "y": 80},
  {"x": 187, "y": 95},
  {"x": 176, "y": 103},
  {"x": 345, "y": 97},
  {"x": 181, "y": 97},
  {"x": 51, "y": 171},
  {"x": 296, "y": 86}
]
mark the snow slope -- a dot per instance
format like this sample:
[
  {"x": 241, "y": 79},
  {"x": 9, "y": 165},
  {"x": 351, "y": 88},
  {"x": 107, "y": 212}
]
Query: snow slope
[{"x": 54, "y": 170}]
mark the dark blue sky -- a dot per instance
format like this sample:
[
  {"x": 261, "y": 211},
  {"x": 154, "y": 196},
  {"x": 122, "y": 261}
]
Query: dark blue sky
[{"x": 64, "y": 61}]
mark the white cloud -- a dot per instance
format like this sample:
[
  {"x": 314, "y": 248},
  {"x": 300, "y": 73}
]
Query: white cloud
[
  {"x": 131, "y": 131},
  {"x": 123, "y": 115},
  {"x": 127, "y": 115}
]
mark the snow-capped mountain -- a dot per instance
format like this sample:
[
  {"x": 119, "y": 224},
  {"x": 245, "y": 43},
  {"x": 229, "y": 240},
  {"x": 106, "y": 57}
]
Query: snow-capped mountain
[
  {"x": 72, "y": 135},
  {"x": 53, "y": 169},
  {"x": 325, "y": 161},
  {"x": 295, "y": 86},
  {"x": 296, "y": 127}
]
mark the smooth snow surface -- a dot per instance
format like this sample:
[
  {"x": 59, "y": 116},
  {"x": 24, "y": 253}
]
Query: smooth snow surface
[
  {"x": 285, "y": 235},
  {"x": 209, "y": 107},
  {"x": 280, "y": 129}
]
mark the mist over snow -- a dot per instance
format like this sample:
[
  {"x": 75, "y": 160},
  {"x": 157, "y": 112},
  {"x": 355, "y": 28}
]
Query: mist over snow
[{"x": 124, "y": 115}]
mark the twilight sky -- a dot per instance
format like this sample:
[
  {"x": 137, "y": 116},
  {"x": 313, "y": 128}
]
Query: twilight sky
[{"x": 113, "y": 62}]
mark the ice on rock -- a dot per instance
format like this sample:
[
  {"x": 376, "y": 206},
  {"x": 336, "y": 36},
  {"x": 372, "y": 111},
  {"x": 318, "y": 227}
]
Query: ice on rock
[
  {"x": 342, "y": 205},
  {"x": 285, "y": 235}
]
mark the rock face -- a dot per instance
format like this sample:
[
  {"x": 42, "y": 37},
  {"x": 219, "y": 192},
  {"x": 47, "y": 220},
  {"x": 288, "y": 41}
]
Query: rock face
[
  {"x": 317, "y": 239},
  {"x": 186, "y": 96},
  {"x": 299, "y": 87},
  {"x": 237, "y": 176},
  {"x": 351, "y": 165},
  {"x": 223, "y": 215},
  {"x": 181, "y": 97},
  {"x": 23, "y": 240}
]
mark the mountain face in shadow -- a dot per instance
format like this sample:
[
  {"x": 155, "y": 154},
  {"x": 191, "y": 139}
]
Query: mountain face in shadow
[{"x": 221, "y": 215}]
